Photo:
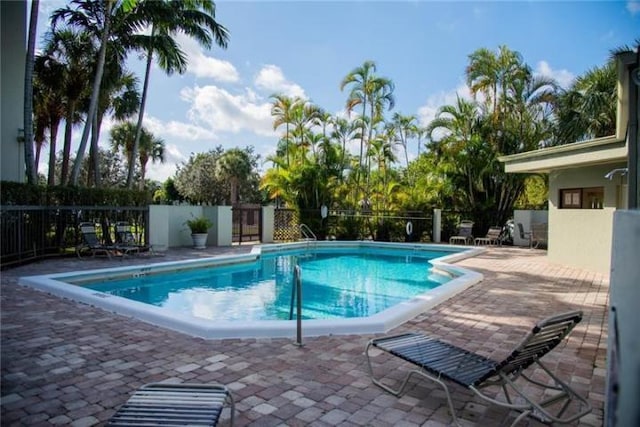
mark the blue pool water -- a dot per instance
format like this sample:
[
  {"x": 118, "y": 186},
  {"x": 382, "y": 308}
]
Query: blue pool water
[{"x": 336, "y": 283}]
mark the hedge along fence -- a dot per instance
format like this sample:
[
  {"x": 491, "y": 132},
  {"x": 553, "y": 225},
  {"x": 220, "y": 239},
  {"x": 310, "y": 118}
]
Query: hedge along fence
[
  {"x": 15, "y": 193},
  {"x": 38, "y": 221}
]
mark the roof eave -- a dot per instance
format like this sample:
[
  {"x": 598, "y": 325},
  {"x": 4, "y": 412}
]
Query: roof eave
[{"x": 604, "y": 150}]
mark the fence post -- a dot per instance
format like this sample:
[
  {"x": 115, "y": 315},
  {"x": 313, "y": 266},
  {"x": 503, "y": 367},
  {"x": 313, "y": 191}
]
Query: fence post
[
  {"x": 267, "y": 224},
  {"x": 437, "y": 225}
]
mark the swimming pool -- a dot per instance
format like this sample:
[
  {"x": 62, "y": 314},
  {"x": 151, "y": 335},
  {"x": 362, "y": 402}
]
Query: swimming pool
[
  {"x": 348, "y": 287},
  {"x": 337, "y": 283}
]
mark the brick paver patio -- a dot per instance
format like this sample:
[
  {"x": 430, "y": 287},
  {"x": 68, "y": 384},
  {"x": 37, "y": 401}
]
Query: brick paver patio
[{"x": 66, "y": 363}]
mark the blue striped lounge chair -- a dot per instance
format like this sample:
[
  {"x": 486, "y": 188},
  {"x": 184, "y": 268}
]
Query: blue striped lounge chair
[{"x": 439, "y": 361}]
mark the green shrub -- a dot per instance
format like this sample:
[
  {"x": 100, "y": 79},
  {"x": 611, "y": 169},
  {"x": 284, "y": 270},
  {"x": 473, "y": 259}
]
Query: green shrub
[{"x": 15, "y": 193}]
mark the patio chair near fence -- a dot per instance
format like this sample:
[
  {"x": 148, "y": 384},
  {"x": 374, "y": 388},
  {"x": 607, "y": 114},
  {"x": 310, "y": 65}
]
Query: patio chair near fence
[
  {"x": 126, "y": 239},
  {"x": 524, "y": 235},
  {"x": 493, "y": 237},
  {"x": 465, "y": 234},
  {"x": 437, "y": 361},
  {"x": 91, "y": 243},
  {"x": 174, "y": 405},
  {"x": 538, "y": 235}
]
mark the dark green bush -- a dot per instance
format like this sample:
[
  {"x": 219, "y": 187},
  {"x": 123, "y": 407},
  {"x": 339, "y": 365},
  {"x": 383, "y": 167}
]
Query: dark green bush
[{"x": 15, "y": 193}]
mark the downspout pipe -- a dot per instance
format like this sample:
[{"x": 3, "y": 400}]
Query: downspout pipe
[{"x": 634, "y": 140}]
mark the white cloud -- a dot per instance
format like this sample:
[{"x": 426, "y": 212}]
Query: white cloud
[
  {"x": 633, "y": 6},
  {"x": 271, "y": 79},
  {"x": 161, "y": 171},
  {"x": 206, "y": 66},
  {"x": 222, "y": 111},
  {"x": 427, "y": 112},
  {"x": 178, "y": 130},
  {"x": 563, "y": 77}
]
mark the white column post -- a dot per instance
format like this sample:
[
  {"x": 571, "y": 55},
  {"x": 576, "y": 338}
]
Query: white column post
[
  {"x": 268, "y": 216},
  {"x": 437, "y": 225}
]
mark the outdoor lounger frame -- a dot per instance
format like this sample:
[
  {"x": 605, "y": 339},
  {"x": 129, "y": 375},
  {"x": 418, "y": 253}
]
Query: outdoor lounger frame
[
  {"x": 438, "y": 360},
  {"x": 174, "y": 405},
  {"x": 126, "y": 239}
]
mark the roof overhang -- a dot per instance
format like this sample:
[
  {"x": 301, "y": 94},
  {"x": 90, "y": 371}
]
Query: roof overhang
[
  {"x": 593, "y": 152},
  {"x": 609, "y": 149}
]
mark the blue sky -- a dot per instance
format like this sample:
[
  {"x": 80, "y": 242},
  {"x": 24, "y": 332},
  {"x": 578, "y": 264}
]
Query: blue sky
[{"x": 306, "y": 48}]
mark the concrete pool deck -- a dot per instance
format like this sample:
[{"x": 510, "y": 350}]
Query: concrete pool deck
[{"x": 68, "y": 363}]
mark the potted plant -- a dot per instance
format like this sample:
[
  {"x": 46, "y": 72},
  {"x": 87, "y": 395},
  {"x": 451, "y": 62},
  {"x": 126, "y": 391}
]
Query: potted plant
[{"x": 199, "y": 227}]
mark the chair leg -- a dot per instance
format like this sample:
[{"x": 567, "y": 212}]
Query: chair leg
[
  {"x": 412, "y": 372},
  {"x": 232, "y": 407}
]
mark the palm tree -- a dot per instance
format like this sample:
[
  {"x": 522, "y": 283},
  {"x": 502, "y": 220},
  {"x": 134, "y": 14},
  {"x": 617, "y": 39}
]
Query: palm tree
[
  {"x": 195, "y": 18},
  {"x": 420, "y": 132},
  {"x": 122, "y": 138},
  {"x": 360, "y": 79},
  {"x": 71, "y": 52},
  {"x": 406, "y": 127},
  {"x": 491, "y": 73},
  {"x": 236, "y": 165},
  {"x": 588, "y": 108},
  {"x": 98, "y": 20},
  {"x": 119, "y": 96},
  {"x": 367, "y": 89},
  {"x": 461, "y": 127},
  {"x": 49, "y": 103},
  {"x": 282, "y": 109},
  {"x": 344, "y": 131},
  {"x": 303, "y": 116},
  {"x": 151, "y": 148}
]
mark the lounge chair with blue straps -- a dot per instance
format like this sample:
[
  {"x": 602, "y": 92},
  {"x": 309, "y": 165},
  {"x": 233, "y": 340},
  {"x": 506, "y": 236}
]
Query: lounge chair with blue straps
[
  {"x": 160, "y": 404},
  {"x": 437, "y": 361}
]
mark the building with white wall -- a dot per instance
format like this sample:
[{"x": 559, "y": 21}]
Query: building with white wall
[
  {"x": 13, "y": 37},
  {"x": 587, "y": 183}
]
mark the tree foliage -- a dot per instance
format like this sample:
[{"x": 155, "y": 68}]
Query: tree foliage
[{"x": 206, "y": 178}]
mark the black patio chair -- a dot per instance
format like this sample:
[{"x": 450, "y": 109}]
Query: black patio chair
[
  {"x": 159, "y": 404},
  {"x": 524, "y": 235},
  {"x": 91, "y": 243},
  {"x": 126, "y": 240},
  {"x": 438, "y": 360}
]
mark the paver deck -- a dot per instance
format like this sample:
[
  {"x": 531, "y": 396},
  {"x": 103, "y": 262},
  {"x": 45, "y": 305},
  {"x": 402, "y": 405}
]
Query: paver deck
[{"x": 67, "y": 363}]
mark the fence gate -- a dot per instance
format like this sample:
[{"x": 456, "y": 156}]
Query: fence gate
[{"x": 247, "y": 224}]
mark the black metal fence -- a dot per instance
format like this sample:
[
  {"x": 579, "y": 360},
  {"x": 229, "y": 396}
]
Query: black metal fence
[
  {"x": 393, "y": 226},
  {"x": 247, "y": 224},
  {"x": 32, "y": 232}
]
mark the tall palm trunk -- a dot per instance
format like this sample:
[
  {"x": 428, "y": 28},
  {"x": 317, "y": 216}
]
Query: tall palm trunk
[
  {"x": 94, "y": 152},
  {"x": 286, "y": 133},
  {"x": 30, "y": 165},
  {"x": 136, "y": 142},
  {"x": 53, "y": 136},
  {"x": 95, "y": 94},
  {"x": 66, "y": 149}
]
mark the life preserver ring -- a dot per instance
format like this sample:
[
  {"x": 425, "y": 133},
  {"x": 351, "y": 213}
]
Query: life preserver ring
[{"x": 409, "y": 228}]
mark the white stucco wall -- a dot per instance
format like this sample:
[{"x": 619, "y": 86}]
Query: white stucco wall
[
  {"x": 268, "y": 217},
  {"x": 221, "y": 234},
  {"x": 582, "y": 237},
  {"x": 13, "y": 37},
  {"x": 167, "y": 226},
  {"x": 624, "y": 364}
]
